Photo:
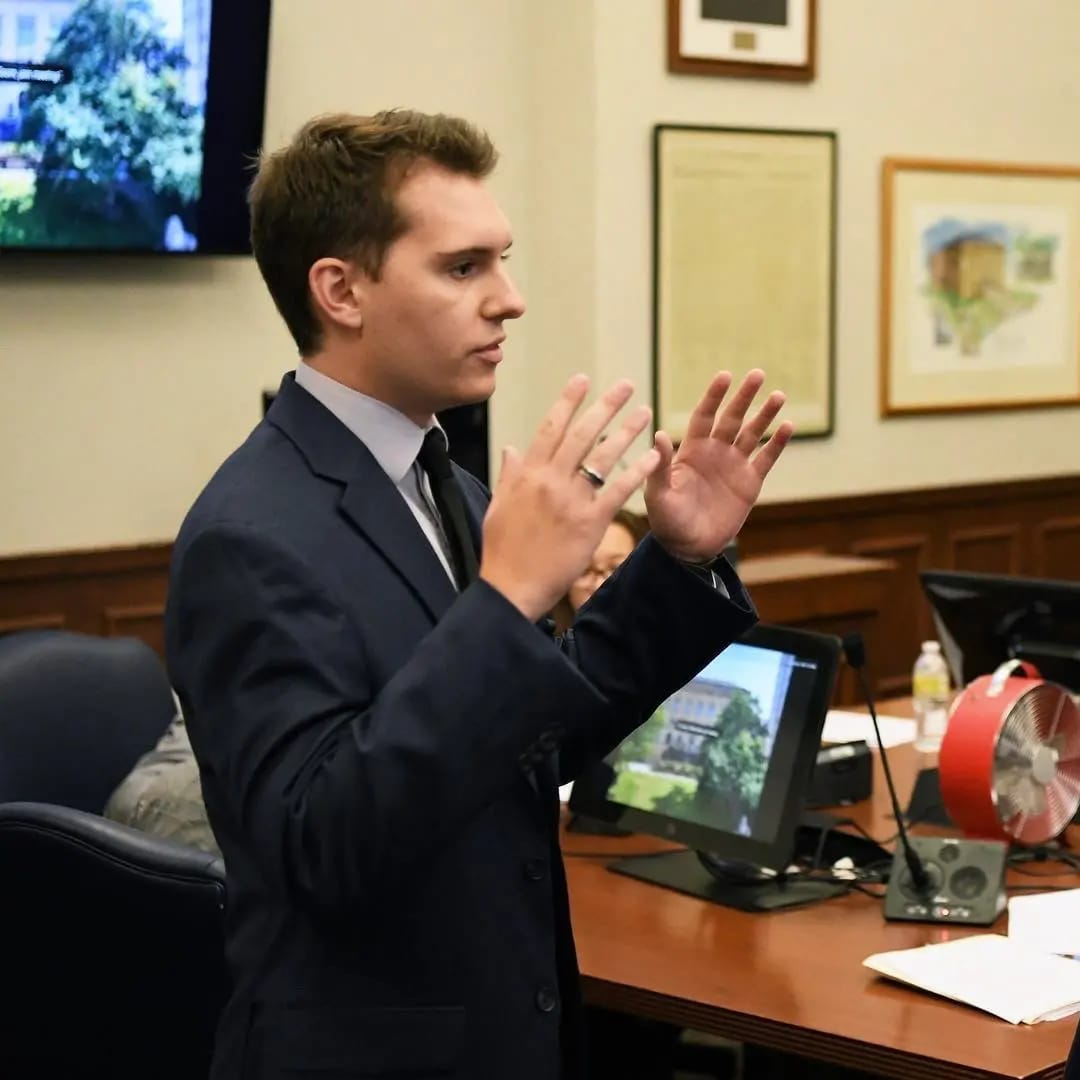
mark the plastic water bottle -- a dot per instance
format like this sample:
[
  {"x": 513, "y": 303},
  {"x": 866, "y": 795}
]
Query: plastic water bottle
[{"x": 930, "y": 687}]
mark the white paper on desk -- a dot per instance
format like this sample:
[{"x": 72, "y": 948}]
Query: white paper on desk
[
  {"x": 991, "y": 972},
  {"x": 843, "y": 726},
  {"x": 1047, "y": 922}
]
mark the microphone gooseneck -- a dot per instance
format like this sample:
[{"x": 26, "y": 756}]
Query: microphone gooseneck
[{"x": 855, "y": 652}]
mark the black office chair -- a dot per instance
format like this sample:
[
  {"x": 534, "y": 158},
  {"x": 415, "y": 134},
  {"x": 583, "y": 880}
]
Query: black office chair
[
  {"x": 112, "y": 949},
  {"x": 76, "y": 712}
]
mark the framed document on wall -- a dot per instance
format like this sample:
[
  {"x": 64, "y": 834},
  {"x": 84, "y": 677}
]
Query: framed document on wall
[
  {"x": 756, "y": 39},
  {"x": 744, "y": 255}
]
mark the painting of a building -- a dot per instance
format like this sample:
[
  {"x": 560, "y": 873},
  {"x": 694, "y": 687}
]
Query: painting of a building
[{"x": 969, "y": 267}]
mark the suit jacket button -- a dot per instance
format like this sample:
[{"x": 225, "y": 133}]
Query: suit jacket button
[
  {"x": 534, "y": 869},
  {"x": 546, "y": 999},
  {"x": 548, "y": 742}
]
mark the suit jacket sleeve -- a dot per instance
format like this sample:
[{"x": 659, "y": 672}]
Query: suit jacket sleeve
[
  {"x": 343, "y": 785},
  {"x": 646, "y": 632}
]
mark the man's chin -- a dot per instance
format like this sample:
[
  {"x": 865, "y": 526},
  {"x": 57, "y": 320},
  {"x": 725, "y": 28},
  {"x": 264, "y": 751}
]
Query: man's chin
[{"x": 476, "y": 392}]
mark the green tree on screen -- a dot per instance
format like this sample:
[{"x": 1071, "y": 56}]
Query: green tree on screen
[
  {"x": 639, "y": 745},
  {"x": 120, "y": 145},
  {"x": 733, "y": 763}
]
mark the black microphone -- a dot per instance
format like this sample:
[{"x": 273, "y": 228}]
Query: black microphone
[{"x": 855, "y": 651}]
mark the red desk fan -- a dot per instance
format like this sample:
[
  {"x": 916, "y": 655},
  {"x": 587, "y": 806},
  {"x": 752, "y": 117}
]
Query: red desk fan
[{"x": 1009, "y": 764}]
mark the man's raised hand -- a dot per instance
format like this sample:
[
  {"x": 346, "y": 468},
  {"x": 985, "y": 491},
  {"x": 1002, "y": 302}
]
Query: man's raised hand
[
  {"x": 551, "y": 505},
  {"x": 699, "y": 497}
]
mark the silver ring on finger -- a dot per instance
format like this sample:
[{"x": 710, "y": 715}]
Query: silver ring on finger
[{"x": 592, "y": 476}]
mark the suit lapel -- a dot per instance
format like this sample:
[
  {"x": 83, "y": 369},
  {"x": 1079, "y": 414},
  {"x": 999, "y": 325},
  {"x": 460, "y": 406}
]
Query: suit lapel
[
  {"x": 369, "y": 500},
  {"x": 374, "y": 507},
  {"x": 380, "y": 513}
]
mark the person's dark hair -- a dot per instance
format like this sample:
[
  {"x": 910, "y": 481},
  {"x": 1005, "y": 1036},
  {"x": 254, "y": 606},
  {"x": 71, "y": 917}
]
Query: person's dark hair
[
  {"x": 637, "y": 525},
  {"x": 331, "y": 193}
]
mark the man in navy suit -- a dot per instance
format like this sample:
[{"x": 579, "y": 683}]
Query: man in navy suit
[{"x": 355, "y": 628}]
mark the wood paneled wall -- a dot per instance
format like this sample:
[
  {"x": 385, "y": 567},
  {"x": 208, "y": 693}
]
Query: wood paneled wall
[
  {"x": 1030, "y": 528},
  {"x": 119, "y": 592},
  {"x": 1027, "y": 527}
]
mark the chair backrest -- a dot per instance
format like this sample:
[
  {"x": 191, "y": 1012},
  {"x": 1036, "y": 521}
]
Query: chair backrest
[
  {"x": 76, "y": 712},
  {"x": 112, "y": 946}
]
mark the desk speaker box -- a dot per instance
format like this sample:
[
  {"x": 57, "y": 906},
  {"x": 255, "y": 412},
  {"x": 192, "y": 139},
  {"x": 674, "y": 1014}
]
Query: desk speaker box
[
  {"x": 843, "y": 774},
  {"x": 966, "y": 882}
]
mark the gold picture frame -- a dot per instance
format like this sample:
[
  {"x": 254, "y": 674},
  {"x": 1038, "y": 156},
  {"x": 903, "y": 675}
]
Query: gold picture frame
[
  {"x": 755, "y": 39},
  {"x": 980, "y": 274},
  {"x": 744, "y": 267}
]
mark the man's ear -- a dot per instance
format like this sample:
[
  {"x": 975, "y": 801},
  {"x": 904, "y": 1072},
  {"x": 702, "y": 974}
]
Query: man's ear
[{"x": 337, "y": 292}]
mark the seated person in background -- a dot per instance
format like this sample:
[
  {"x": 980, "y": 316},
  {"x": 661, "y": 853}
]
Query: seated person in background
[
  {"x": 620, "y": 538},
  {"x": 162, "y": 794}
]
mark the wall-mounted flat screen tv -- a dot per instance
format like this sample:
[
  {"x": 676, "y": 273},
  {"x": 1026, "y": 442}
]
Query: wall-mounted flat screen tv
[{"x": 129, "y": 125}]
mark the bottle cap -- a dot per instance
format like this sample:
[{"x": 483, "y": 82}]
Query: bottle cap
[{"x": 931, "y": 646}]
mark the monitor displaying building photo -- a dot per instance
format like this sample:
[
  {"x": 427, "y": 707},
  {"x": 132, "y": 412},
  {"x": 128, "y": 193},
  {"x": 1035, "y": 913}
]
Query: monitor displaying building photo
[{"x": 703, "y": 755}]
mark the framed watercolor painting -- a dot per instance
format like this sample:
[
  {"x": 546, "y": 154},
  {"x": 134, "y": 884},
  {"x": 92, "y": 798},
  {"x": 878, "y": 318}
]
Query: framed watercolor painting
[{"x": 980, "y": 281}]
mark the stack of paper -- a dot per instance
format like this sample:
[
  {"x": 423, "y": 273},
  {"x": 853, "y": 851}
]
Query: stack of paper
[
  {"x": 1048, "y": 922},
  {"x": 991, "y": 972},
  {"x": 841, "y": 726}
]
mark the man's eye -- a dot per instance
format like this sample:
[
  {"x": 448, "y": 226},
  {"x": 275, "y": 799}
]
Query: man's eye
[{"x": 462, "y": 269}]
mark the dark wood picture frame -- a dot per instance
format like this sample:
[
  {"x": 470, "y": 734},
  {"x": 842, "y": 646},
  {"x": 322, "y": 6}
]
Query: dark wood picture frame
[{"x": 683, "y": 62}]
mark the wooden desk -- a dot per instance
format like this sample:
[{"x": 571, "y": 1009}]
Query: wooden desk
[
  {"x": 831, "y": 594},
  {"x": 793, "y": 980}
]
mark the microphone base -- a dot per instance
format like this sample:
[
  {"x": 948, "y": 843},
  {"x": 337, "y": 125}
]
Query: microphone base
[{"x": 966, "y": 882}]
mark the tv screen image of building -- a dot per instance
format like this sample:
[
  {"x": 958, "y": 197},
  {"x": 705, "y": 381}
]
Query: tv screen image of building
[
  {"x": 102, "y": 115},
  {"x": 704, "y": 755}
]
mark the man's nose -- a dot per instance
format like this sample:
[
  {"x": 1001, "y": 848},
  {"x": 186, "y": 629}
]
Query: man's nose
[{"x": 505, "y": 302}]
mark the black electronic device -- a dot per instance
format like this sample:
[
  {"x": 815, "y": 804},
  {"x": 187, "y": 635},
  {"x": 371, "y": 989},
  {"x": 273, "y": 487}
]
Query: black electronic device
[
  {"x": 925, "y": 805},
  {"x": 466, "y": 428},
  {"x": 933, "y": 879},
  {"x": 965, "y": 882},
  {"x": 131, "y": 126},
  {"x": 724, "y": 766},
  {"x": 843, "y": 774},
  {"x": 983, "y": 620}
]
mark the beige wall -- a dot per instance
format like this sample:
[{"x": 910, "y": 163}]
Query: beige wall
[
  {"x": 988, "y": 79},
  {"x": 126, "y": 381}
]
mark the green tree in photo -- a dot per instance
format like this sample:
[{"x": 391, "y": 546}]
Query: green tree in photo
[
  {"x": 733, "y": 763},
  {"x": 120, "y": 146},
  {"x": 639, "y": 746}
]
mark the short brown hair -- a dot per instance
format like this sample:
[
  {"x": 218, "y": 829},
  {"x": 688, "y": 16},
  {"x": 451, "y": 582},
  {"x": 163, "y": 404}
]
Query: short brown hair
[{"x": 330, "y": 193}]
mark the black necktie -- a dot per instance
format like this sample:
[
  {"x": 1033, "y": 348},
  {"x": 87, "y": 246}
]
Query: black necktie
[{"x": 450, "y": 502}]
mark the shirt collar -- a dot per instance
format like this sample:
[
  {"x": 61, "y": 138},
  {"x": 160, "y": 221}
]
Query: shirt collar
[{"x": 393, "y": 439}]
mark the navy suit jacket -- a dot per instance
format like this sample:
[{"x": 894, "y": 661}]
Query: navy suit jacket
[{"x": 379, "y": 758}]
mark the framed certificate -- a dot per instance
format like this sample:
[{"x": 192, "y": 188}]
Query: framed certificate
[
  {"x": 744, "y": 267},
  {"x": 757, "y": 39}
]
